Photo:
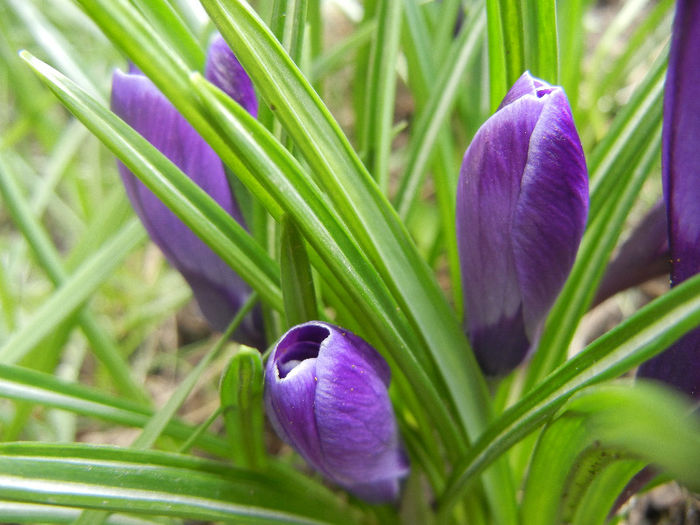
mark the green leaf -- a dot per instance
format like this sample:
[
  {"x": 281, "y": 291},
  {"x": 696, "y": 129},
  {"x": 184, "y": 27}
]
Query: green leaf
[
  {"x": 435, "y": 113},
  {"x": 297, "y": 280},
  {"x": 567, "y": 459},
  {"x": 628, "y": 133},
  {"x": 541, "y": 48},
  {"x": 647, "y": 37},
  {"x": 187, "y": 200},
  {"x": 601, "y": 495},
  {"x": 102, "y": 345},
  {"x": 512, "y": 24},
  {"x": 647, "y": 333},
  {"x": 651, "y": 421},
  {"x": 54, "y": 44},
  {"x": 241, "y": 394},
  {"x": 571, "y": 36},
  {"x": 15, "y": 512},
  {"x": 121, "y": 480},
  {"x": 381, "y": 91},
  {"x": 341, "y": 52},
  {"x": 67, "y": 299},
  {"x": 24, "y": 385},
  {"x": 155, "y": 427},
  {"x": 169, "y": 24},
  {"x": 498, "y": 83}
]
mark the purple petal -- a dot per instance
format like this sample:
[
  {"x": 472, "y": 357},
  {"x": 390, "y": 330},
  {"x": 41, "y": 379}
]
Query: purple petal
[
  {"x": 679, "y": 366},
  {"x": 326, "y": 393},
  {"x": 681, "y": 135},
  {"x": 551, "y": 212},
  {"x": 643, "y": 256},
  {"x": 290, "y": 390},
  {"x": 225, "y": 71},
  {"x": 525, "y": 85},
  {"x": 218, "y": 290},
  {"x": 521, "y": 209}
]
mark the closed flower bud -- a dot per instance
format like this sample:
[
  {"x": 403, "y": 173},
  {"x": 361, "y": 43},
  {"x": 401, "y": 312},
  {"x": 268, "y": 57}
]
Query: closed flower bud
[
  {"x": 326, "y": 396},
  {"x": 522, "y": 202},
  {"x": 217, "y": 288},
  {"x": 679, "y": 366}
]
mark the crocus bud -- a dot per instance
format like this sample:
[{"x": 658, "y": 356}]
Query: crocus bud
[
  {"x": 218, "y": 290},
  {"x": 522, "y": 202},
  {"x": 679, "y": 366},
  {"x": 326, "y": 396},
  {"x": 643, "y": 256}
]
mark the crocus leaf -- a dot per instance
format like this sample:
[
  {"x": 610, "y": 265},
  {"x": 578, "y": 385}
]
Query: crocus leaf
[
  {"x": 116, "y": 479},
  {"x": 643, "y": 335},
  {"x": 221, "y": 232},
  {"x": 297, "y": 279},
  {"x": 241, "y": 393}
]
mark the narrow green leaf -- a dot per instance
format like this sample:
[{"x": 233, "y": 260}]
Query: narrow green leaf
[
  {"x": 647, "y": 36},
  {"x": 102, "y": 345},
  {"x": 650, "y": 421},
  {"x": 115, "y": 479},
  {"x": 498, "y": 84},
  {"x": 15, "y": 512},
  {"x": 54, "y": 44},
  {"x": 556, "y": 451},
  {"x": 595, "y": 506},
  {"x": 288, "y": 23},
  {"x": 81, "y": 285},
  {"x": 568, "y": 459},
  {"x": 542, "y": 40},
  {"x": 511, "y": 16},
  {"x": 381, "y": 91},
  {"x": 422, "y": 71},
  {"x": 433, "y": 117},
  {"x": 155, "y": 427},
  {"x": 187, "y": 200},
  {"x": 241, "y": 394},
  {"x": 297, "y": 280},
  {"x": 24, "y": 385},
  {"x": 605, "y": 48},
  {"x": 168, "y": 23},
  {"x": 647, "y": 333},
  {"x": 446, "y": 27},
  {"x": 571, "y": 36},
  {"x": 341, "y": 52}
]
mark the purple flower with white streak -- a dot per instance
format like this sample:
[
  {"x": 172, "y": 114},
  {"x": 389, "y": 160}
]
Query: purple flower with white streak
[
  {"x": 217, "y": 288},
  {"x": 326, "y": 396},
  {"x": 522, "y": 202},
  {"x": 679, "y": 365}
]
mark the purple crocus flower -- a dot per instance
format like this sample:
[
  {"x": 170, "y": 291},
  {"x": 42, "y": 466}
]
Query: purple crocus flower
[
  {"x": 522, "y": 202},
  {"x": 217, "y": 288},
  {"x": 679, "y": 366},
  {"x": 326, "y": 396}
]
